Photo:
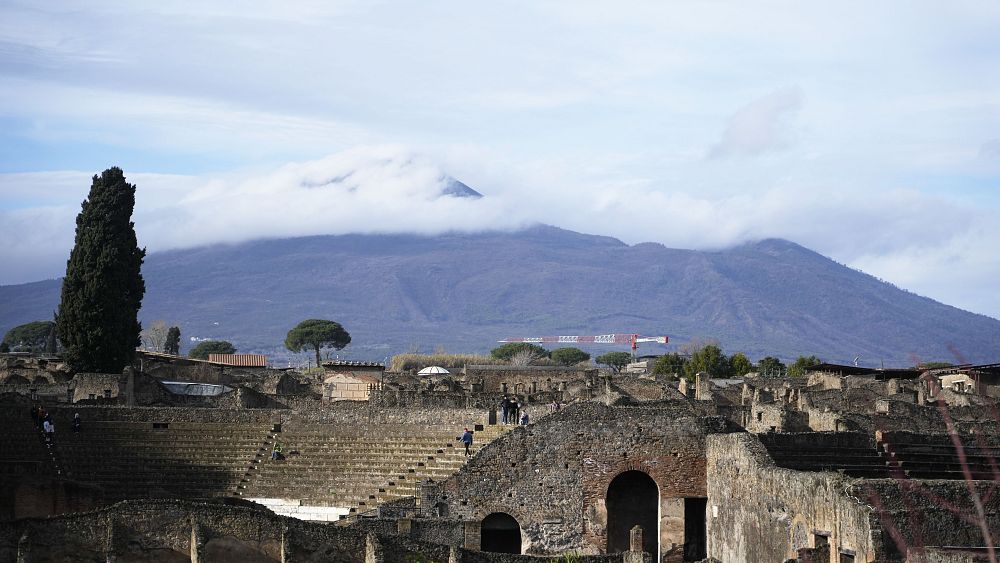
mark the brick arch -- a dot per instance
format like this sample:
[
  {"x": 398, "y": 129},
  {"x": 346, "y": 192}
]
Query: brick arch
[
  {"x": 633, "y": 498},
  {"x": 500, "y": 533}
]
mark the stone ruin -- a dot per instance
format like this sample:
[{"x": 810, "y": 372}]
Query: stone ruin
[{"x": 830, "y": 467}]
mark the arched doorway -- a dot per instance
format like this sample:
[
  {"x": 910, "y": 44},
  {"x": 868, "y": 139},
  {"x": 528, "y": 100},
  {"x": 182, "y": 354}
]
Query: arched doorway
[
  {"x": 633, "y": 499},
  {"x": 500, "y": 533}
]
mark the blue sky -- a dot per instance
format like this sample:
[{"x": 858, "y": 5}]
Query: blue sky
[{"x": 869, "y": 132}]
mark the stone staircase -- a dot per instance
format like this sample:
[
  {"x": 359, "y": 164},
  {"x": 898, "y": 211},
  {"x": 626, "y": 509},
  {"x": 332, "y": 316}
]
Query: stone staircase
[
  {"x": 899, "y": 456},
  {"x": 332, "y": 471},
  {"x": 148, "y": 460},
  {"x": 23, "y": 449}
]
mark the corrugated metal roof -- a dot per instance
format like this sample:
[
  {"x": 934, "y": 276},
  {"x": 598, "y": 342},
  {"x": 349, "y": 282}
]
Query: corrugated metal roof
[
  {"x": 195, "y": 389},
  {"x": 240, "y": 360}
]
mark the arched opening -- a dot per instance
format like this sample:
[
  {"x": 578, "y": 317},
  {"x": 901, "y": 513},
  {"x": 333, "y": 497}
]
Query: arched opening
[
  {"x": 633, "y": 499},
  {"x": 500, "y": 533}
]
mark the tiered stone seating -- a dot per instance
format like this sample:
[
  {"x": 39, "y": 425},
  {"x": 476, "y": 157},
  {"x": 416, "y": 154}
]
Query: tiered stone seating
[
  {"x": 896, "y": 455},
  {"x": 935, "y": 457},
  {"x": 22, "y": 446},
  {"x": 332, "y": 470},
  {"x": 850, "y": 453},
  {"x": 186, "y": 459}
]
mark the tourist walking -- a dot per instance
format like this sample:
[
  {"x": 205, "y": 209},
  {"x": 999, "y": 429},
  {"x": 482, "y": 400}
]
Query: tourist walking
[
  {"x": 467, "y": 440},
  {"x": 505, "y": 408},
  {"x": 515, "y": 408},
  {"x": 50, "y": 429},
  {"x": 76, "y": 422}
]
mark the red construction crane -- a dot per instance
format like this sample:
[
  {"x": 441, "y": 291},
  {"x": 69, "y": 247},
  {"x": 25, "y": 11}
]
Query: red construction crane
[{"x": 632, "y": 339}]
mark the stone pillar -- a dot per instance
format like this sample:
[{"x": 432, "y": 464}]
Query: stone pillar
[
  {"x": 24, "y": 549},
  {"x": 454, "y": 555},
  {"x": 373, "y": 550},
  {"x": 635, "y": 539},
  {"x": 196, "y": 541},
  {"x": 682, "y": 386},
  {"x": 635, "y": 554},
  {"x": 702, "y": 386},
  {"x": 285, "y": 552}
]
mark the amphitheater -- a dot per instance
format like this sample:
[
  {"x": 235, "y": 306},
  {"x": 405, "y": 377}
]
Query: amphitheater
[{"x": 173, "y": 463}]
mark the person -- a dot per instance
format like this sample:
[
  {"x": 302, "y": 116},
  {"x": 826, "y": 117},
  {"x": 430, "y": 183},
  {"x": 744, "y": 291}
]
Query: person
[
  {"x": 76, "y": 422},
  {"x": 515, "y": 408},
  {"x": 505, "y": 408},
  {"x": 467, "y": 440},
  {"x": 34, "y": 415},
  {"x": 524, "y": 418},
  {"x": 276, "y": 452},
  {"x": 50, "y": 429}
]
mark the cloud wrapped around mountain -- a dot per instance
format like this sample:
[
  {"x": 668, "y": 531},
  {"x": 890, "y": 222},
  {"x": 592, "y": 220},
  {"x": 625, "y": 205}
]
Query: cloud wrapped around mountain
[{"x": 913, "y": 239}]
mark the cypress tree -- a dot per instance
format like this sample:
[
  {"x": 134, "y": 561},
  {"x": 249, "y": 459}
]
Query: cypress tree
[
  {"x": 103, "y": 287},
  {"x": 173, "y": 344}
]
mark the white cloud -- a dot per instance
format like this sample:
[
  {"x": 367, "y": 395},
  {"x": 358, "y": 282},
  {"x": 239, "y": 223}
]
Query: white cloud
[
  {"x": 761, "y": 126},
  {"x": 915, "y": 240},
  {"x": 587, "y": 115}
]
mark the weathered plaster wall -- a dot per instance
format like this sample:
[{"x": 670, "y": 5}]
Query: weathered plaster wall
[{"x": 759, "y": 512}]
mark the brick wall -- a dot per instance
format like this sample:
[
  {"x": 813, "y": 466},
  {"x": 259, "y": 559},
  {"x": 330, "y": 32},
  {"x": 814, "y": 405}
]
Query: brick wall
[{"x": 552, "y": 477}]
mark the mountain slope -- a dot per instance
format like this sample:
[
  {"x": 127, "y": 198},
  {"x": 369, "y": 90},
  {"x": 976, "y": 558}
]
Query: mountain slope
[{"x": 465, "y": 291}]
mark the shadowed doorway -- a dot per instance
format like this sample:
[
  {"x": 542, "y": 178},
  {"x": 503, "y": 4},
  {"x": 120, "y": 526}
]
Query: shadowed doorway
[
  {"x": 633, "y": 499},
  {"x": 500, "y": 533}
]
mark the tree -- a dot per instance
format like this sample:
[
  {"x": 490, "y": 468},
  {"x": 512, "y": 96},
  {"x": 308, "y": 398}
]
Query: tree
[
  {"x": 103, "y": 287},
  {"x": 30, "y": 337},
  {"x": 769, "y": 365},
  {"x": 569, "y": 356},
  {"x": 739, "y": 364},
  {"x": 670, "y": 364},
  {"x": 154, "y": 338},
  {"x": 173, "y": 343},
  {"x": 507, "y": 351},
  {"x": 614, "y": 360},
  {"x": 798, "y": 369},
  {"x": 708, "y": 358},
  {"x": 203, "y": 349},
  {"x": 316, "y": 334},
  {"x": 524, "y": 357}
]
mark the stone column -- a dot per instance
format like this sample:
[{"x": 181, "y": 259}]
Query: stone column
[
  {"x": 635, "y": 554},
  {"x": 373, "y": 550},
  {"x": 196, "y": 541},
  {"x": 702, "y": 386},
  {"x": 635, "y": 539},
  {"x": 24, "y": 549}
]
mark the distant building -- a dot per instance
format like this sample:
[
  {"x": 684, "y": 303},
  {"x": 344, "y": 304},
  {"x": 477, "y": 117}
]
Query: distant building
[
  {"x": 239, "y": 360},
  {"x": 351, "y": 381}
]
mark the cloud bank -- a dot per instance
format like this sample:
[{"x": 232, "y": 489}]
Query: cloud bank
[{"x": 905, "y": 236}]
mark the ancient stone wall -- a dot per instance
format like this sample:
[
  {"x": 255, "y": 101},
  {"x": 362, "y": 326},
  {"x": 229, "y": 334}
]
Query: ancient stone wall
[
  {"x": 526, "y": 380},
  {"x": 553, "y": 477},
  {"x": 184, "y": 531},
  {"x": 930, "y": 512},
  {"x": 759, "y": 512}
]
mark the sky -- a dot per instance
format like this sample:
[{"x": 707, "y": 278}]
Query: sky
[{"x": 867, "y": 131}]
